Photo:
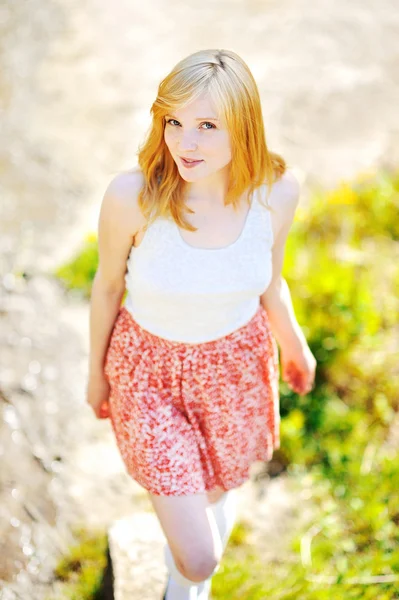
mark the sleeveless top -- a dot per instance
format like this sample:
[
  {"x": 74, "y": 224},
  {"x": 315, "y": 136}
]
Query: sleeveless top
[{"x": 187, "y": 294}]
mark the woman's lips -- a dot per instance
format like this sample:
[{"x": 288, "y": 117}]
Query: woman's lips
[{"x": 189, "y": 164}]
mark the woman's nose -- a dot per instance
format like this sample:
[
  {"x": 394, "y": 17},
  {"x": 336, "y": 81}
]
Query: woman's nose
[{"x": 187, "y": 141}]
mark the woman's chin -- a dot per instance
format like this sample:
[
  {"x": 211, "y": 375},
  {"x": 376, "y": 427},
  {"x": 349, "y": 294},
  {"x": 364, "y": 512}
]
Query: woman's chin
[{"x": 187, "y": 176}]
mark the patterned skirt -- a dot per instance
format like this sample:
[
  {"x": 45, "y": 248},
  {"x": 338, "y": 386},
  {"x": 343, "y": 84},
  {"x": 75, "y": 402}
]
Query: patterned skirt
[{"x": 191, "y": 417}]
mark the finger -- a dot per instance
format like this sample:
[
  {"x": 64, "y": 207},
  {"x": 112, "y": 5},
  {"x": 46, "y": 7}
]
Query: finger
[
  {"x": 104, "y": 410},
  {"x": 308, "y": 389},
  {"x": 303, "y": 388}
]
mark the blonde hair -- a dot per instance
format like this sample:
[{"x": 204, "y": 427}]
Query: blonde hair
[{"x": 231, "y": 86}]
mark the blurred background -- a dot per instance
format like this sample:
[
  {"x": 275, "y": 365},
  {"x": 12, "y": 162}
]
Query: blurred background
[{"x": 77, "y": 81}]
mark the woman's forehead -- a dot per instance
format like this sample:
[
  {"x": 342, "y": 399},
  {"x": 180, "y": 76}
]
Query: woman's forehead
[
  {"x": 202, "y": 102},
  {"x": 199, "y": 108}
]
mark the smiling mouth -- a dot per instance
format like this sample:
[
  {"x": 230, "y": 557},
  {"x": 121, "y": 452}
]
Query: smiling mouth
[{"x": 190, "y": 160}]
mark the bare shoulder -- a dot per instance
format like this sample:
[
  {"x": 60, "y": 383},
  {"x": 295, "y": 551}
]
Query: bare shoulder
[
  {"x": 284, "y": 200},
  {"x": 286, "y": 191},
  {"x": 123, "y": 191},
  {"x": 119, "y": 222}
]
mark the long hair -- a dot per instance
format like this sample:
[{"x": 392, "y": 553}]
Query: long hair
[{"x": 231, "y": 86}]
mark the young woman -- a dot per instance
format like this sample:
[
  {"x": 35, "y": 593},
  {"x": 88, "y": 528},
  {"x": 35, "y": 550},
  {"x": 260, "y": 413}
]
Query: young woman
[{"x": 188, "y": 368}]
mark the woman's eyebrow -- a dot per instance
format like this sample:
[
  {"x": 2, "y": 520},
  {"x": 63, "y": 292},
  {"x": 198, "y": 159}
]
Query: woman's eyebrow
[{"x": 200, "y": 119}]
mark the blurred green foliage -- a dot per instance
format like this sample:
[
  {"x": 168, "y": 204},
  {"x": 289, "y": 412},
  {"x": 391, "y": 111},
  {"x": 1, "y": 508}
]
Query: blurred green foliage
[
  {"x": 78, "y": 274},
  {"x": 342, "y": 267},
  {"x": 81, "y": 571}
]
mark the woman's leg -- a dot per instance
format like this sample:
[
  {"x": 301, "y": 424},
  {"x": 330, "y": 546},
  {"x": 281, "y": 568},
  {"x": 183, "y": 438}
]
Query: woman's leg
[
  {"x": 193, "y": 537},
  {"x": 197, "y": 532},
  {"x": 224, "y": 510}
]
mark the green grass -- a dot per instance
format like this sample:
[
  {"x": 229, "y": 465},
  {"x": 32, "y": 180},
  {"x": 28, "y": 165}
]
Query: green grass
[
  {"x": 78, "y": 274},
  {"x": 352, "y": 538},
  {"x": 81, "y": 570}
]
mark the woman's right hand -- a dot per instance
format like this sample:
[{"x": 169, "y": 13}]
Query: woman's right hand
[{"x": 98, "y": 391}]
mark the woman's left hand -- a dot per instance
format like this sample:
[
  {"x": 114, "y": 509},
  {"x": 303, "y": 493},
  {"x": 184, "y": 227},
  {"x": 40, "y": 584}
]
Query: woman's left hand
[{"x": 298, "y": 368}]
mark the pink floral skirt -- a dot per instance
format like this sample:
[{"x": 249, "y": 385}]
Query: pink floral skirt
[{"x": 190, "y": 417}]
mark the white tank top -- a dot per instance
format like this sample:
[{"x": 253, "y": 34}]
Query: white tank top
[{"x": 187, "y": 294}]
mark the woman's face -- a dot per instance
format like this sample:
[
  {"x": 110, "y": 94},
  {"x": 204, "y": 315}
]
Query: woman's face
[{"x": 198, "y": 132}]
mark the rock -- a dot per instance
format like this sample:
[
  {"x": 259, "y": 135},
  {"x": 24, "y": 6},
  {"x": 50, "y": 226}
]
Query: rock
[{"x": 136, "y": 548}]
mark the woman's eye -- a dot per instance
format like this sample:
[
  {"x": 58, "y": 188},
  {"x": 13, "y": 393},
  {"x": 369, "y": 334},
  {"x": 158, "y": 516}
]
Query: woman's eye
[{"x": 212, "y": 126}]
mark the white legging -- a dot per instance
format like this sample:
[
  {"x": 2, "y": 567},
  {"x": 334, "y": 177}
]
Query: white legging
[{"x": 181, "y": 588}]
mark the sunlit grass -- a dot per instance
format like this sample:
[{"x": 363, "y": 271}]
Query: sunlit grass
[
  {"x": 78, "y": 274},
  {"x": 81, "y": 570}
]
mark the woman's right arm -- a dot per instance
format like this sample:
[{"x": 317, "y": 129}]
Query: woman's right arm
[{"x": 118, "y": 223}]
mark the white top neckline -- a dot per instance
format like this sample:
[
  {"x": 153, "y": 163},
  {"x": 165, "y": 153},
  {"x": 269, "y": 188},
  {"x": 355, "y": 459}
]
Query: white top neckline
[
  {"x": 188, "y": 294},
  {"x": 233, "y": 244}
]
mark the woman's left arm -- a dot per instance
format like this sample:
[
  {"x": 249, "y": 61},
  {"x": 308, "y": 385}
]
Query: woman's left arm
[
  {"x": 297, "y": 361},
  {"x": 286, "y": 329}
]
